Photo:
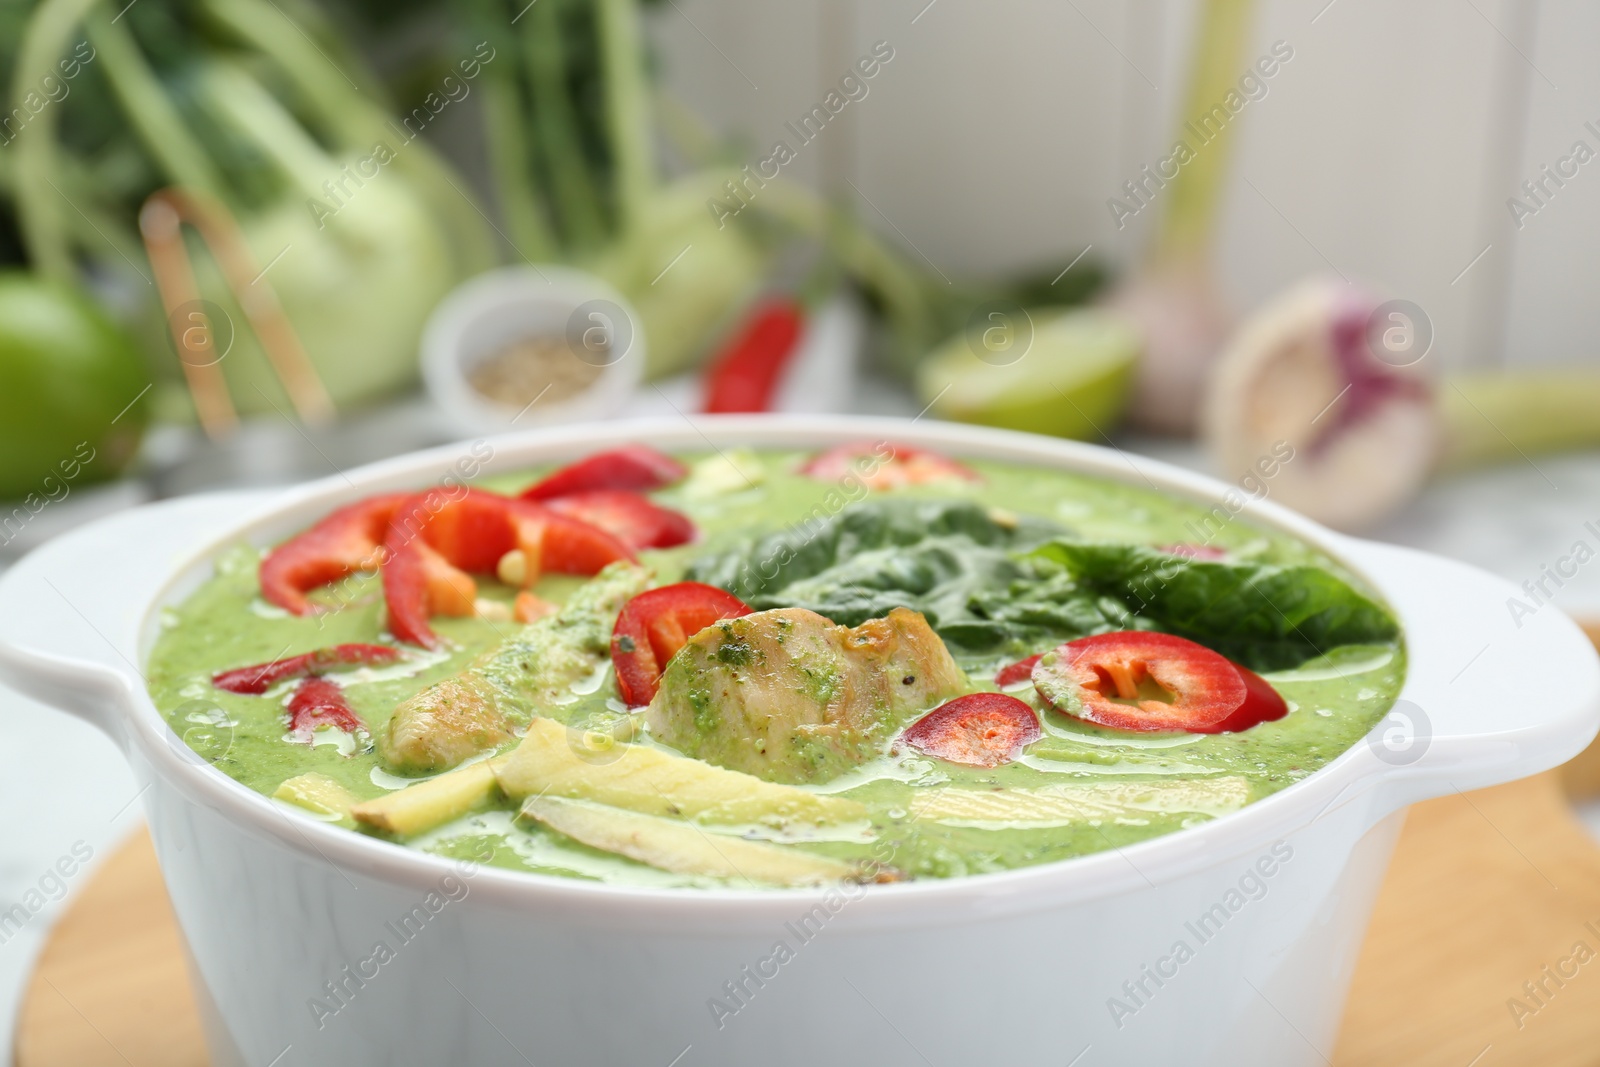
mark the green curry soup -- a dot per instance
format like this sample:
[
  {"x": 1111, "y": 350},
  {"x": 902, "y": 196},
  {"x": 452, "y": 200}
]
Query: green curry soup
[{"x": 1003, "y": 567}]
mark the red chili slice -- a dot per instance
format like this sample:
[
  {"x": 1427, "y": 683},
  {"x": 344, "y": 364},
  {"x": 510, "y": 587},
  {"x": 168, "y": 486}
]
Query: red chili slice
[
  {"x": 347, "y": 540},
  {"x": 636, "y": 467},
  {"x": 418, "y": 584},
  {"x": 881, "y": 465},
  {"x": 1261, "y": 704},
  {"x": 263, "y": 676},
  {"x": 435, "y": 539},
  {"x": 319, "y": 702},
  {"x": 1088, "y": 678},
  {"x": 979, "y": 730},
  {"x": 470, "y": 529},
  {"x": 1016, "y": 672},
  {"x": 744, "y": 375},
  {"x": 568, "y": 545},
  {"x": 631, "y": 517},
  {"x": 654, "y": 625}
]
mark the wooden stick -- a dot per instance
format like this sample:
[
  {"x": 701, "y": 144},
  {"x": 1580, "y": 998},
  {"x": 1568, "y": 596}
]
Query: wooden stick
[
  {"x": 160, "y": 226},
  {"x": 221, "y": 234}
]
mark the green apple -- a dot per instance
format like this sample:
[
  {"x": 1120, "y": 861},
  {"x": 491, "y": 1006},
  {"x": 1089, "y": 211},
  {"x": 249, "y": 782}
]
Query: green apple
[{"x": 1064, "y": 373}]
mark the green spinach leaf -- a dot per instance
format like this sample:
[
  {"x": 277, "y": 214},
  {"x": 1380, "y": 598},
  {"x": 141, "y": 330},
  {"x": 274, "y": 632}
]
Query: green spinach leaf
[
  {"x": 1266, "y": 616},
  {"x": 960, "y": 564},
  {"x": 996, "y": 587}
]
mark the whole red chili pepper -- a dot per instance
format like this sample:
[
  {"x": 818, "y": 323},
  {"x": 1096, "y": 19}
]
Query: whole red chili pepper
[{"x": 744, "y": 376}]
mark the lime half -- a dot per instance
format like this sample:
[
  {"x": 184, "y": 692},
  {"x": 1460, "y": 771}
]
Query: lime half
[
  {"x": 71, "y": 410},
  {"x": 1061, "y": 373}
]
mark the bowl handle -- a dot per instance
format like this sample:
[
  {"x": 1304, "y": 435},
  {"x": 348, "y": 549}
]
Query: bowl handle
[
  {"x": 71, "y": 611},
  {"x": 1500, "y": 685}
]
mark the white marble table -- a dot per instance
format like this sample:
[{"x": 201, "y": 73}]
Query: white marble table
[{"x": 62, "y": 784}]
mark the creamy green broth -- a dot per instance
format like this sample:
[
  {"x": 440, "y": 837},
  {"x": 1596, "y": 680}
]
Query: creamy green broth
[{"x": 1334, "y": 700}]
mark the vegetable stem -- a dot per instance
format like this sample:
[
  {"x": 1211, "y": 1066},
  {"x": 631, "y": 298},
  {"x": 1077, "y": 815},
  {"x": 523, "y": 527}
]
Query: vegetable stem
[
  {"x": 858, "y": 250},
  {"x": 94, "y": 225},
  {"x": 1491, "y": 418},
  {"x": 154, "y": 116},
  {"x": 510, "y": 163},
  {"x": 337, "y": 107},
  {"x": 254, "y": 113},
  {"x": 688, "y": 133},
  {"x": 358, "y": 124},
  {"x": 1197, "y": 190},
  {"x": 40, "y": 211},
  {"x": 578, "y": 210},
  {"x": 627, "y": 101}
]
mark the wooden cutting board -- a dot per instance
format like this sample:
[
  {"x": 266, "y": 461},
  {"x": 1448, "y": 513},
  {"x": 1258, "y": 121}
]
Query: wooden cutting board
[
  {"x": 1486, "y": 890},
  {"x": 110, "y": 988}
]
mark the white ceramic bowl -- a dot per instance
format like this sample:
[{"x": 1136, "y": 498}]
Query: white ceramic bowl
[
  {"x": 481, "y": 316},
  {"x": 284, "y": 916}
]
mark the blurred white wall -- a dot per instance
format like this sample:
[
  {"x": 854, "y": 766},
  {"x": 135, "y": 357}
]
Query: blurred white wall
[
  {"x": 1555, "y": 261},
  {"x": 1384, "y": 151}
]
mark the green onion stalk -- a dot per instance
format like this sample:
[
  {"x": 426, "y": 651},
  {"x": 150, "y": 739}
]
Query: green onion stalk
[
  {"x": 1503, "y": 417},
  {"x": 1173, "y": 299}
]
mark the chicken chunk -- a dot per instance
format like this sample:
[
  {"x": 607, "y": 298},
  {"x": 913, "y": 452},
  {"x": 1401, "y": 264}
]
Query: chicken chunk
[
  {"x": 788, "y": 696},
  {"x": 488, "y": 703}
]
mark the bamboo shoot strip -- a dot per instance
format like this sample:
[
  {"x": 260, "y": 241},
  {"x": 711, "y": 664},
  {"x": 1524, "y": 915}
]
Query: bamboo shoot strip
[
  {"x": 1065, "y": 805},
  {"x": 433, "y": 802},
  {"x": 685, "y": 849},
  {"x": 655, "y": 782}
]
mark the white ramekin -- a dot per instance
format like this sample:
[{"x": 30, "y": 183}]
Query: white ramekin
[
  {"x": 1069, "y": 963},
  {"x": 486, "y": 313}
]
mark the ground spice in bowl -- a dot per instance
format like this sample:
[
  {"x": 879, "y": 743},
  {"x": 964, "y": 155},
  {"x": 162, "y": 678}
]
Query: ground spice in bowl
[{"x": 533, "y": 368}]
